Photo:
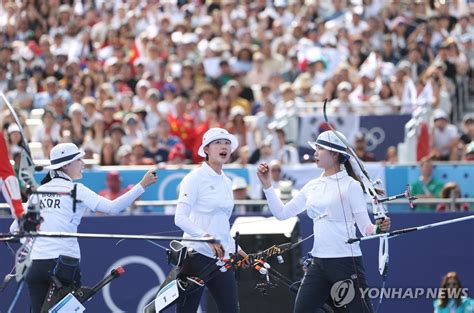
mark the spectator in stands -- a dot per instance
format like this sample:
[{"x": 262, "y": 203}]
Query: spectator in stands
[
  {"x": 177, "y": 155},
  {"x": 451, "y": 191},
  {"x": 286, "y": 153},
  {"x": 48, "y": 129},
  {"x": 138, "y": 154},
  {"x": 243, "y": 156},
  {"x": 342, "y": 105},
  {"x": 76, "y": 112},
  {"x": 276, "y": 172},
  {"x": 52, "y": 90},
  {"x": 469, "y": 154},
  {"x": 452, "y": 298},
  {"x": 124, "y": 155},
  {"x": 426, "y": 187},
  {"x": 436, "y": 90},
  {"x": 133, "y": 129},
  {"x": 116, "y": 135},
  {"x": 287, "y": 112},
  {"x": 153, "y": 116},
  {"x": 258, "y": 74},
  {"x": 108, "y": 110},
  {"x": 264, "y": 118},
  {"x": 232, "y": 90},
  {"x": 155, "y": 151},
  {"x": 240, "y": 190},
  {"x": 237, "y": 125},
  {"x": 360, "y": 148},
  {"x": 285, "y": 190},
  {"x": 384, "y": 102},
  {"x": 404, "y": 88},
  {"x": 114, "y": 189},
  {"x": 468, "y": 129},
  {"x": 14, "y": 141},
  {"x": 391, "y": 157},
  {"x": 21, "y": 97},
  {"x": 107, "y": 153},
  {"x": 223, "y": 110},
  {"x": 165, "y": 139},
  {"x": 95, "y": 136},
  {"x": 90, "y": 112},
  {"x": 445, "y": 136},
  {"x": 264, "y": 152},
  {"x": 182, "y": 124}
]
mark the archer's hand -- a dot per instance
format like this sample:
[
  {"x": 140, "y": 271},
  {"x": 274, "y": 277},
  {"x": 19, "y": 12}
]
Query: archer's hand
[
  {"x": 384, "y": 225},
  {"x": 216, "y": 247},
  {"x": 245, "y": 263},
  {"x": 30, "y": 221},
  {"x": 149, "y": 178},
  {"x": 263, "y": 173}
]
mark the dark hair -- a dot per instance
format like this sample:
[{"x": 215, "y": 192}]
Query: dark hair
[
  {"x": 350, "y": 171},
  {"x": 443, "y": 295}
]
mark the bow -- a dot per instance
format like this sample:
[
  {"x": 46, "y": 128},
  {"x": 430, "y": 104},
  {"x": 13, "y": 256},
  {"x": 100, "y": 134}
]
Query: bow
[
  {"x": 260, "y": 261},
  {"x": 369, "y": 187},
  {"x": 28, "y": 220},
  {"x": 412, "y": 229},
  {"x": 27, "y": 166},
  {"x": 34, "y": 234}
]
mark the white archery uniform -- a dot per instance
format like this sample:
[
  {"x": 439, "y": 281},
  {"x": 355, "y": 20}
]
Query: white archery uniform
[
  {"x": 57, "y": 212},
  {"x": 205, "y": 205},
  {"x": 333, "y": 220}
]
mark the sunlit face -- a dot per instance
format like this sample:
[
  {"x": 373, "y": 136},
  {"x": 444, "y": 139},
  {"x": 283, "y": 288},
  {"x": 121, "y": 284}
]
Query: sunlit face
[
  {"x": 219, "y": 151},
  {"x": 324, "y": 158},
  {"x": 74, "y": 169}
]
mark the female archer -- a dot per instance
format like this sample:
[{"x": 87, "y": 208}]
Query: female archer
[
  {"x": 336, "y": 202},
  {"x": 60, "y": 256},
  {"x": 205, "y": 205}
]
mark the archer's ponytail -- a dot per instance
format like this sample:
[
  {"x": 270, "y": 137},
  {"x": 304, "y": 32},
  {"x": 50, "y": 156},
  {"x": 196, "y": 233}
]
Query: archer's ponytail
[{"x": 351, "y": 173}]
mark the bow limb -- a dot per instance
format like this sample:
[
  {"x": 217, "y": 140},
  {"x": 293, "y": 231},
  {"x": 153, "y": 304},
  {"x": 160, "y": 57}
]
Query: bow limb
[{"x": 27, "y": 166}]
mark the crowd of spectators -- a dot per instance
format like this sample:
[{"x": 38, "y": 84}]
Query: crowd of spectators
[{"x": 138, "y": 82}]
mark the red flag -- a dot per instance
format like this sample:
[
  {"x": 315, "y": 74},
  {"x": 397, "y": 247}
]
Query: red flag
[
  {"x": 8, "y": 182},
  {"x": 133, "y": 54},
  {"x": 423, "y": 144}
]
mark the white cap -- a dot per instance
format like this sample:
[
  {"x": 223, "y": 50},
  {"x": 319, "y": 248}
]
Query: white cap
[
  {"x": 328, "y": 140},
  {"x": 143, "y": 83},
  {"x": 63, "y": 154},
  {"x": 237, "y": 110},
  {"x": 239, "y": 183},
  {"x": 285, "y": 190},
  {"x": 13, "y": 128},
  {"x": 214, "y": 134},
  {"x": 345, "y": 85},
  {"x": 439, "y": 114},
  {"x": 123, "y": 151},
  {"x": 75, "y": 107}
]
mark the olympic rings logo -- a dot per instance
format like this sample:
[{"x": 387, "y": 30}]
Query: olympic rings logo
[
  {"x": 373, "y": 137},
  {"x": 148, "y": 296}
]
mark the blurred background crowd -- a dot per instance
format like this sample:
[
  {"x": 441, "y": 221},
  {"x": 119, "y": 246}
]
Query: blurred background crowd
[{"x": 139, "y": 82}]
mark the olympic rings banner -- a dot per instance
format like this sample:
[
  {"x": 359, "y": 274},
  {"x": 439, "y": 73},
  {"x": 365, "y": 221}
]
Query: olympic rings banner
[{"x": 381, "y": 131}]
